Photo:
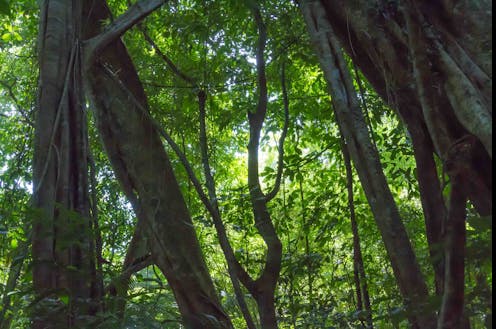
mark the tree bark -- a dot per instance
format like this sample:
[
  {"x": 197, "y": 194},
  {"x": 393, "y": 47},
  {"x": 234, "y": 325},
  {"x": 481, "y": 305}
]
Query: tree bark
[
  {"x": 421, "y": 57},
  {"x": 61, "y": 239},
  {"x": 376, "y": 36},
  {"x": 140, "y": 163},
  {"x": 452, "y": 308},
  {"x": 366, "y": 159},
  {"x": 431, "y": 197}
]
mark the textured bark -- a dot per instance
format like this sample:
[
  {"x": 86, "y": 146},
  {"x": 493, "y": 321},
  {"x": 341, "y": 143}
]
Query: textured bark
[
  {"x": 431, "y": 62},
  {"x": 366, "y": 159},
  {"x": 61, "y": 239},
  {"x": 140, "y": 162},
  {"x": 377, "y": 38},
  {"x": 431, "y": 197},
  {"x": 452, "y": 308}
]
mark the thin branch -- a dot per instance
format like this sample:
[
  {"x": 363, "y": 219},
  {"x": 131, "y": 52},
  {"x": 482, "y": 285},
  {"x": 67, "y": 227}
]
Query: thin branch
[
  {"x": 241, "y": 273},
  {"x": 280, "y": 163},
  {"x": 234, "y": 267},
  {"x": 17, "y": 105},
  {"x": 363, "y": 299},
  {"x": 126, "y": 21},
  {"x": 142, "y": 263},
  {"x": 167, "y": 60},
  {"x": 261, "y": 75}
]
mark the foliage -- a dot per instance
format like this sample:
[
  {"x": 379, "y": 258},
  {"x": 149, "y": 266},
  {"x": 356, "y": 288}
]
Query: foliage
[{"x": 214, "y": 42}]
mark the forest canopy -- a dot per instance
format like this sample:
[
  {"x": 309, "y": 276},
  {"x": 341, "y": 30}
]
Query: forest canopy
[{"x": 246, "y": 164}]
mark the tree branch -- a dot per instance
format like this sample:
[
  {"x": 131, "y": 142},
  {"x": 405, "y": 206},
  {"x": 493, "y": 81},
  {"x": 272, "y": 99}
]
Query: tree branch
[
  {"x": 241, "y": 273},
  {"x": 234, "y": 267},
  {"x": 280, "y": 161},
  {"x": 140, "y": 264},
  {"x": 131, "y": 17},
  {"x": 167, "y": 60},
  {"x": 261, "y": 214}
]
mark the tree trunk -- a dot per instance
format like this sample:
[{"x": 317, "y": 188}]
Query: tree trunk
[
  {"x": 262, "y": 289},
  {"x": 266, "y": 308},
  {"x": 451, "y": 49},
  {"x": 431, "y": 62},
  {"x": 452, "y": 308},
  {"x": 366, "y": 159},
  {"x": 143, "y": 168},
  {"x": 431, "y": 197},
  {"x": 61, "y": 245}
]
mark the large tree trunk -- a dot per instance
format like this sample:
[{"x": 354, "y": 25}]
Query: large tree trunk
[
  {"x": 420, "y": 68},
  {"x": 431, "y": 197},
  {"x": 366, "y": 159},
  {"x": 452, "y": 308},
  {"x": 61, "y": 245},
  {"x": 143, "y": 168},
  {"x": 431, "y": 62}
]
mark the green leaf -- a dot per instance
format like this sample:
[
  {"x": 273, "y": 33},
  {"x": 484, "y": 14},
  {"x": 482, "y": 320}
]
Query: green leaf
[
  {"x": 64, "y": 299},
  {"x": 4, "y": 7},
  {"x": 6, "y": 36},
  {"x": 480, "y": 224}
]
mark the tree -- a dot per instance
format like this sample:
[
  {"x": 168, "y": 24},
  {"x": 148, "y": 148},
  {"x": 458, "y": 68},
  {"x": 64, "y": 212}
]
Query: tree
[
  {"x": 63, "y": 256},
  {"x": 366, "y": 159},
  {"x": 453, "y": 62},
  {"x": 142, "y": 212},
  {"x": 159, "y": 204}
]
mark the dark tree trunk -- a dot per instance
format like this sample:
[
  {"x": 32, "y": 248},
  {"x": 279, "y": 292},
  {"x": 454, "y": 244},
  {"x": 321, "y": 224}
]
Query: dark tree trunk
[
  {"x": 431, "y": 197},
  {"x": 431, "y": 62},
  {"x": 452, "y": 308},
  {"x": 366, "y": 159},
  {"x": 266, "y": 304},
  {"x": 377, "y": 38},
  {"x": 262, "y": 289},
  {"x": 145, "y": 172},
  {"x": 61, "y": 239}
]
